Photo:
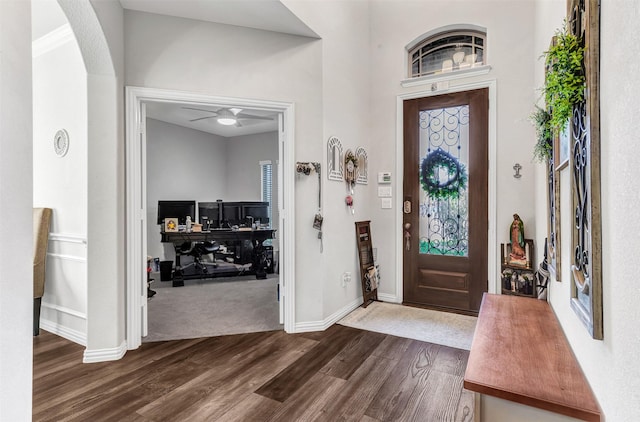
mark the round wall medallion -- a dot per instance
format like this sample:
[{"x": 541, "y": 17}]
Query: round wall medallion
[{"x": 61, "y": 143}]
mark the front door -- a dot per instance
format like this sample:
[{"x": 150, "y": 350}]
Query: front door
[{"x": 445, "y": 200}]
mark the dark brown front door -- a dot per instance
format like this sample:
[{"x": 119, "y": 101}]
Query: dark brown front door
[{"x": 445, "y": 200}]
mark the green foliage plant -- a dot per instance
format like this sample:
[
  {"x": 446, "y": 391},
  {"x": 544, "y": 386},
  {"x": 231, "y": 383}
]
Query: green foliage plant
[
  {"x": 541, "y": 119},
  {"x": 565, "y": 79}
]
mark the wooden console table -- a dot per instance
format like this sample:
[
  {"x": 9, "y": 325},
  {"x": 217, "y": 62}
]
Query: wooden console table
[{"x": 520, "y": 356}]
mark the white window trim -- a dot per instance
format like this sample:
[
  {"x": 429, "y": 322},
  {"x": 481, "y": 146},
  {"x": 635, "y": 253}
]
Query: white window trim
[{"x": 449, "y": 76}]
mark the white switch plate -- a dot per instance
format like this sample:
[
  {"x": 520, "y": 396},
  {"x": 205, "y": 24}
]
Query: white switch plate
[
  {"x": 384, "y": 191},
  {"x": 385, "y": 203}
]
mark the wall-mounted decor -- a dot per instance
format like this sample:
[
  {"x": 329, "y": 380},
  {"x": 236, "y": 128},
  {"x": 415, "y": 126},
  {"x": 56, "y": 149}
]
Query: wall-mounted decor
[
  {"x": 61, "y": 143},
  {"x": 306, "y": 168},
  {"x": 586, "y": 243},
  {"x": 362, "y": 173},
  {"x": 350, "y": 169},
  {"x": 553, "y": 220},
  {"x": 334, "y": 159}
]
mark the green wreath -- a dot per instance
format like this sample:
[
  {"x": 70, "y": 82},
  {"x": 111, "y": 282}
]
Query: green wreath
[{"x": 431, "y": 183}]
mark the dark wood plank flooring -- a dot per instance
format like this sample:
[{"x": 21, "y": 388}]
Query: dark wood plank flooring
[{"x": 342, "y": 374}]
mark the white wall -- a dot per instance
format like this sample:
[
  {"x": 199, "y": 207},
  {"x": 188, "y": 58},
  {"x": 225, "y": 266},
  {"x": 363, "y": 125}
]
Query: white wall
[
  {"x": 243, "y": 165},
  {"x": 346, "y": 70},
  {"x": 98, "y": 28},
  {"x": 194, "y": 56},
  {"x": 16, "y": 198},
  {"x": 60, "y": 183},
  {"x": 509, "y": 45},
  {"x": 244, "y": 172},
  {"x": 182, "y": 164},
  {"x": 611, "y": 364}
]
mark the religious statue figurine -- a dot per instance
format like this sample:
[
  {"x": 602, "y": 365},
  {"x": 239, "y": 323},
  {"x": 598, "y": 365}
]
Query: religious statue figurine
[{"x": 516, "y": 235}]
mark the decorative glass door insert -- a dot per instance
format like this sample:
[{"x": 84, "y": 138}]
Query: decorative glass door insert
[{"x": 444, "y": 196}]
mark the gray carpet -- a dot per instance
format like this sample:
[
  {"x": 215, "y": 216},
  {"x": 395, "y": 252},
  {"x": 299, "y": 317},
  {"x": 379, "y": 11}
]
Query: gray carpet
[
  {"x": 212, "y": 307},
  {"x": 443, "y": 328}
]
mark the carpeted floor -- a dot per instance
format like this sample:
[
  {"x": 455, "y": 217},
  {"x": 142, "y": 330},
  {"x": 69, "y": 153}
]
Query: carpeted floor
[
  {"x": 443, "y": 328},
  {"x": 212, "y": 307}
]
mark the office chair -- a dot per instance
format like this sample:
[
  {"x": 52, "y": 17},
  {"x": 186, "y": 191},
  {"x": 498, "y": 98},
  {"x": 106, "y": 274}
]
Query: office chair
[{"x": 197, "y": 251}]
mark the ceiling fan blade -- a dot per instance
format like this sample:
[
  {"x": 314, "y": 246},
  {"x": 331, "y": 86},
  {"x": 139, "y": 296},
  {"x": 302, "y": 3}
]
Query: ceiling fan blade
[
  {"x": 251, "y": 116},
  {"x": 200, "y": 109},
  {"x": 201, "y": 118}
]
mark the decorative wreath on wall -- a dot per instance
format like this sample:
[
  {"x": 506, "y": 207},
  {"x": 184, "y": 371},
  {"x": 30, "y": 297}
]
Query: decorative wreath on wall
[
  {"x": 430, "y": 180},
  {"x": 350, "y": 166}
]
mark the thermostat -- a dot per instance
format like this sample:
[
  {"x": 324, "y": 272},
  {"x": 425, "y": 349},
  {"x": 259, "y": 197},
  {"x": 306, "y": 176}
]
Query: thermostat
[{"x": 384, "y": 177}]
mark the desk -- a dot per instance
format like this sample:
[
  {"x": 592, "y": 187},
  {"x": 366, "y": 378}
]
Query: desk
[{"x": 222, "y": 236}]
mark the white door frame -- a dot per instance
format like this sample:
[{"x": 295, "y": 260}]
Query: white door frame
[
  {"x": 492, "y": 255},
  {"x": 136, "y": 202}
]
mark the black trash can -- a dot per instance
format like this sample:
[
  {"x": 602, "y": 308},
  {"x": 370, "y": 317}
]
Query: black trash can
[{"x": 165, "y": 270}]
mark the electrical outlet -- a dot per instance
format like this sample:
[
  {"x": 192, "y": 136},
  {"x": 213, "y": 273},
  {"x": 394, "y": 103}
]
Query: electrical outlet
[{"x": 346, "y": 278}]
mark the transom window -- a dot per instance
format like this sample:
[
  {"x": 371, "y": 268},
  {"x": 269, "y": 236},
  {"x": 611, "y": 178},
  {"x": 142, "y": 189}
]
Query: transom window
[{"x": 447, "y": 52}]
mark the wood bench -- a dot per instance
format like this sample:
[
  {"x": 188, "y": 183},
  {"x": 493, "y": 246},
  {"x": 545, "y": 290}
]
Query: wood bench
[{"x": 520, "y": 356}]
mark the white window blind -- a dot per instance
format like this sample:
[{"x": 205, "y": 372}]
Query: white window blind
[{"x": 266, "y": 176}]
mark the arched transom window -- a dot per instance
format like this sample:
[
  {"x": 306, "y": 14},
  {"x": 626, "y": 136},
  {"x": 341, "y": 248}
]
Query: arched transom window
[{"x": 447, "y": 52}]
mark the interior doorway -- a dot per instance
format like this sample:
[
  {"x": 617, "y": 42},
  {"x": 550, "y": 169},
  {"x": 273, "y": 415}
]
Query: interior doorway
[{"x": 138, "y": 101}]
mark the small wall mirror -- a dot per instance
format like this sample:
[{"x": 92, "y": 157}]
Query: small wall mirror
[
  {"x": 334, "y": 159},
  {"x": 362, "y": 170}
]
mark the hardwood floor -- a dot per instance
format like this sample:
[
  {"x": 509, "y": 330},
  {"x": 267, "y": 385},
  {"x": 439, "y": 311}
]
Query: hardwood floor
[{"x": 339, "y": 374}]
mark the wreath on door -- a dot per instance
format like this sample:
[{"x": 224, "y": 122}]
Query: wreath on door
[{"x": 430, "y": 175}]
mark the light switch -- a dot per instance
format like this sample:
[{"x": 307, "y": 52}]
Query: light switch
[
  {"x": 384, "y": 191},
  {"x": 385, "y": 203}
]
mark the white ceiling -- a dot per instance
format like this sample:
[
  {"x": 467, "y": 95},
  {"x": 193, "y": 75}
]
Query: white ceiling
[
  {"x": 46, "y": 15},
  {"x": 176, "y": 113},
  {"x": 269, "y": 15}
]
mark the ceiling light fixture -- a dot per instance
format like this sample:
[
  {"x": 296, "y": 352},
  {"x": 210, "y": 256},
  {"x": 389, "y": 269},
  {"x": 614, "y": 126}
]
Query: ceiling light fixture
[
  {"x": 227, "y": 118},
  {"x": 227, "y": 121}
]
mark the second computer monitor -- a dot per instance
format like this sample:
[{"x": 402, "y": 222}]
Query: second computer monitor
[
  {"x": 209, "y": 213},
  {"x": 256, "y": 210},
  {"x": 231, "y": 213}
]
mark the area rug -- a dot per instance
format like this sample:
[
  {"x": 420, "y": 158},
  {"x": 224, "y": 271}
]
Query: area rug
[
  {"x": 212, "y": 307},
  {"x": 443, "y": 328}
]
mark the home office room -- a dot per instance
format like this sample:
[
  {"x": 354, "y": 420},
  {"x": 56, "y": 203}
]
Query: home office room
[{"x": 212, "y": 220}]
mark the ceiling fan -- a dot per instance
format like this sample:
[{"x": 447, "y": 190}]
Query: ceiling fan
[{"x": 227, "y": 116}]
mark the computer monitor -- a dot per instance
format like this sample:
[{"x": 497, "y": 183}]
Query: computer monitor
[
  {"x": 209, "y": 213},
  {"x": 231, "y": 213},
  {"x": 176, "y": 209},
  {"x": 257, "y": 210}
]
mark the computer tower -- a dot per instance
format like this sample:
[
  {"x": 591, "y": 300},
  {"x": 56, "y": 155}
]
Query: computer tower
[{"x": 268, "y": 250}]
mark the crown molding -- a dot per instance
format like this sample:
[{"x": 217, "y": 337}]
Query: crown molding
[{"x": 52, "y": 40}]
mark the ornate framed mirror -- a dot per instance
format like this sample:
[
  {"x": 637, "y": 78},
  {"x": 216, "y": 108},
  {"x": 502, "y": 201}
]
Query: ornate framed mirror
[
  {"x": 362, "y": 176},
  {"x": 334, "y": 159}
]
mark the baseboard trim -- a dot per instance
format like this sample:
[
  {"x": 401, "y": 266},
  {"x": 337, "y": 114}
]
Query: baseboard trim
[
  {"x": 385, "y": 297},
  {"x": 64, "y": 332},
  {"x": 304, "y": 327},
  {"x": 105, "y": 355},
  {"x": 64, "y": 310}
]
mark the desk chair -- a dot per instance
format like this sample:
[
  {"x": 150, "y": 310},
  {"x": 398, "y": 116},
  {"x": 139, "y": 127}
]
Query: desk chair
[
  {"x": 41, "y": 226},
  {"x": 200, "y": 249}
]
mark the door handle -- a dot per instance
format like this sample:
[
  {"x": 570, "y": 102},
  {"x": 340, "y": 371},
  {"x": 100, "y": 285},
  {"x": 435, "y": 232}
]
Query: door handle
[{"x": 407, "y": 236}]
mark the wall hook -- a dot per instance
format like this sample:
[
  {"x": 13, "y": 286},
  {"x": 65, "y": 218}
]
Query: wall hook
[{"x": 517, "y": 167}]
